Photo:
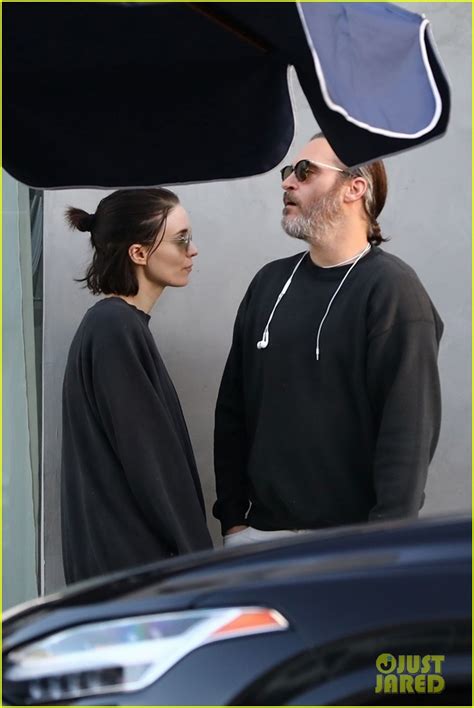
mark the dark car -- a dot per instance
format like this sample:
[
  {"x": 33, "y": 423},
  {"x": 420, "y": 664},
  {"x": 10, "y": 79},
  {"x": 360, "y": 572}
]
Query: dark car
[{"x": 367, "y": 615}]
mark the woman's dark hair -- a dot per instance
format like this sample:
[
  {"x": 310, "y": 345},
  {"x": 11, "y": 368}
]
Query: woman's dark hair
[{"x": 123, "y": 218}]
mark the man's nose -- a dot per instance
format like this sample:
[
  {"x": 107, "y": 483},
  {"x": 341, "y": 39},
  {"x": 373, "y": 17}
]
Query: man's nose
[{"x": 290, "y": 182}]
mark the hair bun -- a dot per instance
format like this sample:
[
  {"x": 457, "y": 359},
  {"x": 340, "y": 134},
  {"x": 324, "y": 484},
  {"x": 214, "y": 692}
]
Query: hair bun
[{"x": 79, "y": 219}]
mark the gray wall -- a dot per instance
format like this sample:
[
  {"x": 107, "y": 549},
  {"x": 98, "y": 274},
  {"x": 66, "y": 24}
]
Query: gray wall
[{"x": 236, "y": 228}]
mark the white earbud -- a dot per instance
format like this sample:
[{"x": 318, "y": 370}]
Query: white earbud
[{"x": 263, "y": 343}]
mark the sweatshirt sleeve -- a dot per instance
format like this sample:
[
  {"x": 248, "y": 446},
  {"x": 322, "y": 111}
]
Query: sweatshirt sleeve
[
  {"x": 404, "y": 389},
  {"x": 138, "y": 424},
  {"x": 230, "y": 436}
]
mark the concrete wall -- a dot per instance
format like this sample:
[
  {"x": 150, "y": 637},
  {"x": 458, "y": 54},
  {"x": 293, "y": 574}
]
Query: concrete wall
[{"x": 236, "y": 228}]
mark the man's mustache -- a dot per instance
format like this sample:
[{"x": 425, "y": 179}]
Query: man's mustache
[{"x": 288, "y": 199}]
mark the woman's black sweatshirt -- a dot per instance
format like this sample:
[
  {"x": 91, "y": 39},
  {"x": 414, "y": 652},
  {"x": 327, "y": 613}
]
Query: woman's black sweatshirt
[{"x": 130, "y": 488}]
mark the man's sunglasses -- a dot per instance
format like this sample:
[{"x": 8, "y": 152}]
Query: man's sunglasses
[{"x": 304, "y": 167}]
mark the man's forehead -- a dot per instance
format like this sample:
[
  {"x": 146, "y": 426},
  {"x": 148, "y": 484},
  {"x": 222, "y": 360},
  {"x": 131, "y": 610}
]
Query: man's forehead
[{"x": 317, "y": 150}]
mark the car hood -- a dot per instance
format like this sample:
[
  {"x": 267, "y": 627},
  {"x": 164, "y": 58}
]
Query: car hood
[{"x": 178, "y": 583}]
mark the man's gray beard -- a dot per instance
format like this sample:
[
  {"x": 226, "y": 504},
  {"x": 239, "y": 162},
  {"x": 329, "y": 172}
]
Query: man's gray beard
[{"x": 317, "y": 225}]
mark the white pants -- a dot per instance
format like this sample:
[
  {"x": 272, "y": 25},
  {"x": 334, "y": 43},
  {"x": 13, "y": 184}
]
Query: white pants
[{"x": 251, "y": 535}]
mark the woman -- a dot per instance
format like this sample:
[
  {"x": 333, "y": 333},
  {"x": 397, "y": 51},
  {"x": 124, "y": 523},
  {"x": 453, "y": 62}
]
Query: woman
[{"x": 130, "y": 488}]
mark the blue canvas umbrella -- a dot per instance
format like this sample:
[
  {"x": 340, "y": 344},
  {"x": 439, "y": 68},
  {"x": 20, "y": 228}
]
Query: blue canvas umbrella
[
  {"x": 136, "y": 94},
  {"x": 381, "y": 87}
]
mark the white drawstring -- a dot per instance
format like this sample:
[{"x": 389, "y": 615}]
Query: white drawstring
[
  {"x": 366, "y": 249},
  {"x": 263, "y": 343}
]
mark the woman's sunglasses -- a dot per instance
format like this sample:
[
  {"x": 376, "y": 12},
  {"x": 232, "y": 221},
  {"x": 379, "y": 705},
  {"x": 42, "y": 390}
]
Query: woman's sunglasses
[
  {"x": 184, "y": 240},
  {"x": 304, "y": 167}
]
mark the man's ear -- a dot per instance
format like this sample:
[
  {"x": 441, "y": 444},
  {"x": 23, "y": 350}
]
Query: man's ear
[
  {"x": 355, "y": 189},
  {"x": 138, "y": 254}
]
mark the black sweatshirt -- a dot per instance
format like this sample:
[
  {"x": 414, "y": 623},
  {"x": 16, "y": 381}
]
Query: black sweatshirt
[
  {"x": 341, "y": 440},
  {"x": 130, "y": 491}
]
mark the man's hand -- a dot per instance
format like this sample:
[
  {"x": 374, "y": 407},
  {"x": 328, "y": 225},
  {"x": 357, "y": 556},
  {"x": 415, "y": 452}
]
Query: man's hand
[{"x": 234, "y": 529}]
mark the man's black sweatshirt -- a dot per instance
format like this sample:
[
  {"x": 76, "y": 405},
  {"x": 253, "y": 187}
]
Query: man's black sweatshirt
[
  {"x": 130, "y": 488},
  {"x": 310, "y": 443}
]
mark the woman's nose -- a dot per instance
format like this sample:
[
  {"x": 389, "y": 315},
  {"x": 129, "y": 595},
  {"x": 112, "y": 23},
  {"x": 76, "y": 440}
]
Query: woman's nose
[{"x": 192, "y": 250}]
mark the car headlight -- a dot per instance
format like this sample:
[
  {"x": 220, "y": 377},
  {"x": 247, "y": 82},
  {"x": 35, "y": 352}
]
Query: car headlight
[{"x": 122, "y": 655}]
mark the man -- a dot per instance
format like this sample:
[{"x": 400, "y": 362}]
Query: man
[{"x": 329, "y": 408}]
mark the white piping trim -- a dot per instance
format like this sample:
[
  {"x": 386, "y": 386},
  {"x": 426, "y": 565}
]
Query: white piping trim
[
  {"x": 373, "y": 129},
  {"x": 435, "y": 50},
  {"x": 438, "y": 103}
]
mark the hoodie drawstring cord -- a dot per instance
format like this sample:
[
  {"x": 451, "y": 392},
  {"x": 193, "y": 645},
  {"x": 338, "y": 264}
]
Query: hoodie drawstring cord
[
  {"x": 366, "y": 249},
  {"x": 263, "y": 343}
]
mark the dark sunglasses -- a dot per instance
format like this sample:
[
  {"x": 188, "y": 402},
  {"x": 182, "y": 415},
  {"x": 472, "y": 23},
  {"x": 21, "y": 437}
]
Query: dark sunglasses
[{"x": 303, "y": 168}]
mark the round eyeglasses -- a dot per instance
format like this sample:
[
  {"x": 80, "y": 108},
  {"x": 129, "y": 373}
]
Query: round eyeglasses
[
  {"x": 304, "y": 167},
  {"x": 183, "y": 240}
]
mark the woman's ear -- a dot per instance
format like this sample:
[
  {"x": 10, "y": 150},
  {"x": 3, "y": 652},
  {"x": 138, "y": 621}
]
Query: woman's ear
[
  {"x": 138, "y": 254},
  {"x": 355, "y": 190}
]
